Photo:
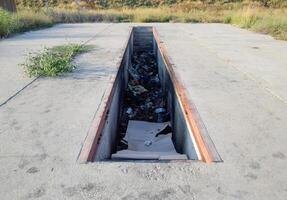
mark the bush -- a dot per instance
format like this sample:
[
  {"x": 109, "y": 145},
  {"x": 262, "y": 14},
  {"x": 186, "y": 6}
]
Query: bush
[
  {"x": 7, "y": 23},
  {"x": 25, "y": 20},
  {"x": 275, "y": 26}
]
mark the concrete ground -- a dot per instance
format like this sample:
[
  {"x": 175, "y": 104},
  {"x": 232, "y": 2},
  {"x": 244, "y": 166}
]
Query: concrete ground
[{"x": 237, "y": 80}]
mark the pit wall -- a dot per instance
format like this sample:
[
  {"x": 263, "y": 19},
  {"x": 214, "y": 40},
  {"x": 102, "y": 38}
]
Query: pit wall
[
  {"x": 142, "y": 37},
  {"x": 107, "y": 141},
  {"x": 181, "y": 136}
]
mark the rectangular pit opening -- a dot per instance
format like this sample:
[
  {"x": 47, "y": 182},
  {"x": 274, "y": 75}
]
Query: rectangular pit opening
[{"x": 147, "y": 116}]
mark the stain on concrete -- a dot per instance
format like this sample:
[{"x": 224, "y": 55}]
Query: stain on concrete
[
  {"x": 234, "y": 81},
  {"x": 239, "y": 194},
  {"x": 32, "y": 170},
  {"x": 47, "y": 111},
  {"x": 278, "y": 155},
  {"x": 22, "y": 103},
  {"x": 234, "y": 144},
  {"x": 219, "y": 190},
  {"x": 186, "y": 189},
  {"x": 23, "y": 162},
  {"x": 14, "y": 123},
  {"x": 251, "y": 176},
  {"x": 34, "y": 131},
  {"x": 254, "y": 165},
  {"x": 88, "y": 189},
  {"x": 57, "y": 159},
  {"x": 163, "y": 194},
  {"x": 34, "y": 85},
  {"x": 128, "y": 197},
  {"x": 46, "y": 132},
  {"x": 42, "y": 156},
  {"x": 69, "y": 191},
  {"x": 37, "y": 193},
  {"x": 17, "y": 128}
]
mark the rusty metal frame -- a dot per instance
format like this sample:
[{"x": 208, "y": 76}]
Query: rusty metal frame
[
  {"x": 90, "y": 145},
  {"x": 206, "y": 148}
]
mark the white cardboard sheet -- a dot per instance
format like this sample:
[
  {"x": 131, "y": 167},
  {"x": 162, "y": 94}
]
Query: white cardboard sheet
[{"x": 144, "y": 144}]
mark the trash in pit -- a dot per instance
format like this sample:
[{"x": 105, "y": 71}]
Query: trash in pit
[
  {"x": 137, "y": 89},
  {"x": 145, "y": 105},
  {"x": 144, "y": 140},
  {"x": 144, "y": 98}
]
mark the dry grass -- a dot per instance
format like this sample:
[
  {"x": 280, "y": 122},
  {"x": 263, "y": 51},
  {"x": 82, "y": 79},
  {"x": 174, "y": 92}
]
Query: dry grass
[
  {"x": 273, "y": 22},
  {"x": 28, "y": 20},
  {"x": 22, "y": 21},
  {"x": 259, "y": 19},
  {"x": 251, "y": 16}
]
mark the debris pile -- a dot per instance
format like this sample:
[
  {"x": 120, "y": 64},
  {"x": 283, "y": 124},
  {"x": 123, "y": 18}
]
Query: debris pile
[
  {"x": 145, "y": 129},
  {"x": 144, "y": 97}
]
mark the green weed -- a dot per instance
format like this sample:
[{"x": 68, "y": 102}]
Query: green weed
[{"x": 53, "y": 61}]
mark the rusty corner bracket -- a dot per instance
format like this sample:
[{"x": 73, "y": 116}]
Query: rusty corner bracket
[{"x": 206, "y": 147}]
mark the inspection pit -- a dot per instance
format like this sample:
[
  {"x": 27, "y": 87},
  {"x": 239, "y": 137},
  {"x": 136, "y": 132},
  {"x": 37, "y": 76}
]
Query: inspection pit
[{"x": 188, "y": 134}]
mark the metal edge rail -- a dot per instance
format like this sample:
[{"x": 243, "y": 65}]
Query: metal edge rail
[
  {"x": 90, "y": 145},
  {"x": 206, "y": 147}
]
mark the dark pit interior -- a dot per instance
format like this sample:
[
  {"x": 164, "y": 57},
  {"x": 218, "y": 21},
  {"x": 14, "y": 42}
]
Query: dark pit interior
[{"x": 144, "y": 97}]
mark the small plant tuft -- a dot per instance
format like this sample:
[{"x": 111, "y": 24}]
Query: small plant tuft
[{"x": 53, "y": 61}]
